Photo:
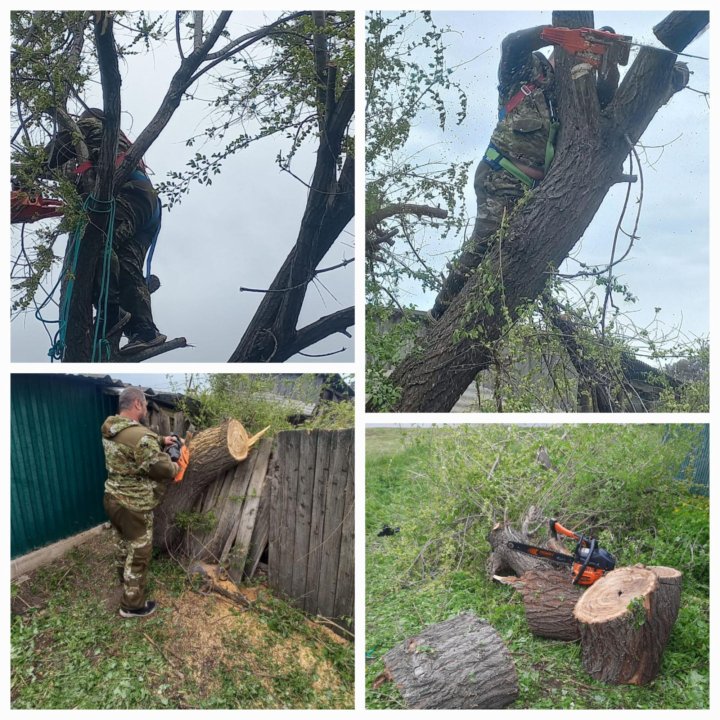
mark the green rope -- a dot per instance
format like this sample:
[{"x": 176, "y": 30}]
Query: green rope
[{"x": 100, "y": 343}]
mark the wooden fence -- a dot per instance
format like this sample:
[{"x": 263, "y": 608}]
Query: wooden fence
[
  {"x": 312, "y": 529},
  {"x": 292, "y": 502}
]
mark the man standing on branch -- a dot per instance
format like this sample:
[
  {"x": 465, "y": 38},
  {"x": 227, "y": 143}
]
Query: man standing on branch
[
  {"x": 138, "y": 474},
  {"x": 521, "y": 147},
  {"x": 136, "y": 227}
]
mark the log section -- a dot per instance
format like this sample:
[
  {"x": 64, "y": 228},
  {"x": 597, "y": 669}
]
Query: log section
[
  {"x": 625, "y": 620},
  {"x": 458, "y": 663}
]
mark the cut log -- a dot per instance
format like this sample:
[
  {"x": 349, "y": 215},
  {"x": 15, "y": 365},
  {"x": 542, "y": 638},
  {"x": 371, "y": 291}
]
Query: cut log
[
  {"x": 680, "y": 28},
  {"x": 212, "y": 452},
  {"x": 625, "y": 621},
  {"x": 550, "y": 598},
  {"x": 503, "y": 560},
  {"x": 459, "y": 663}
]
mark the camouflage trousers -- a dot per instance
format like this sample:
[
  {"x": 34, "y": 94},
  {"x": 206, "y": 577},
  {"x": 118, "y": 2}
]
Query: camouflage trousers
[
  {"x": 497, "y": 192},
  {"x": 133, "y": 531},
  {"x": 133, "y": 234}
]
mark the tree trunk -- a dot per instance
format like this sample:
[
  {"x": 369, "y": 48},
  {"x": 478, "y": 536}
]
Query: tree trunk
[
  {"x": 592, "y": 147},
  {"x": 458, "y": 663},
  {"x": 212, "y": 452},
  {"x": 503, "y": 560},
  {"x": 625, "y": 620},
  {"x": 550, "y": 598}
]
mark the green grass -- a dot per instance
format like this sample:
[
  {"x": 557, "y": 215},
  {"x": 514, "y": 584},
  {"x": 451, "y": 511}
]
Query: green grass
[
  {"x": 71, "y": 650},
  {"x": 403, "y": 596}
]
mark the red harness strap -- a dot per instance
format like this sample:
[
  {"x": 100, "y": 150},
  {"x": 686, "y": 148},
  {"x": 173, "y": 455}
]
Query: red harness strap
[
  {"x": 518, "y": 97},
  {"x": 84, "y": 167}
]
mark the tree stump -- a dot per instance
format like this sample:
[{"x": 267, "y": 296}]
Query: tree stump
[
  {"x": 458, "y": 663},
  {"x": 212, "y": 452},
  {"x": 550, "y": 598},
  {"x": 625, "y": 621}
]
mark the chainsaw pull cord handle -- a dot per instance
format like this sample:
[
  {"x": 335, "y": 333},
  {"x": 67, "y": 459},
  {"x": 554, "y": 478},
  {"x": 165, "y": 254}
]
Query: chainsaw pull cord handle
[
  {"x": 583, "y": 567},
  {"x": 556, "y": 527}
]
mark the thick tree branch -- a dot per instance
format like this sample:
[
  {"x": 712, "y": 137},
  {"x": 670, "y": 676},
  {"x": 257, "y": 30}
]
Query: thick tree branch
[
  {"x": 337, "y": 322},
  {"x": 377, "y": 217}
]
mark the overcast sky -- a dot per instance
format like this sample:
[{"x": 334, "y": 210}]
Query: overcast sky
[
  {"x": 668, "y": 266},
  {"x": 235, "y": 233}
]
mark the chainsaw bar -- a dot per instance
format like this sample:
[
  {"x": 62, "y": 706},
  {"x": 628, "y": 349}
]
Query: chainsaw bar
[
  {"x": 653, "y": 47},
  {"x": 542, "y": 553}
]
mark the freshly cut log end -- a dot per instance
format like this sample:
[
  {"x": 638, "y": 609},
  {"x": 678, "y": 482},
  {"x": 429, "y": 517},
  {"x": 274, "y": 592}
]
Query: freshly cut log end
[
  {"x": 550, "y": 598},
  {"x": 625, "y": 620},
  {"x": 461, "y": 663},
  {"x": 226, "y": 444}
]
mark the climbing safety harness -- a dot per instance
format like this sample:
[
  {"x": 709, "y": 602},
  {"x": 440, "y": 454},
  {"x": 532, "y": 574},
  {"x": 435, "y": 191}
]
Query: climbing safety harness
[{"x": 497, "y": 161}]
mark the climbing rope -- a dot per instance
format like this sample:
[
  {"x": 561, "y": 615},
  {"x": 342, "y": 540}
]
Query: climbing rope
[
  {"x": 100, "y": 342},
  {"x": 101, "y": 346}
]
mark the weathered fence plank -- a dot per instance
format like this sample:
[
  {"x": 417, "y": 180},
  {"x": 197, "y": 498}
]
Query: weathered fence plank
[
  {"x": 303, "y": 515},
  {"x": 261, "y": 529},
  {"x": 317, "y": 520},
  {"x": 345, "y": 584},
  {"x": 225, "y": 500},
  {"x": 238, "y": 542},
  {"x": 332, "y": 535}
]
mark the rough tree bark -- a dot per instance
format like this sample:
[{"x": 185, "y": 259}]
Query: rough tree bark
[
  {"x": 212, "y": 452},
  {"x": 459, "y": 663},
  {"x": 503, "y": 560},
  {"x": 549, "y": 598},
  {"x": 625, "y": 620},
  {"x": 79, "y": 333},
  {"x": 592, "y": 146}
]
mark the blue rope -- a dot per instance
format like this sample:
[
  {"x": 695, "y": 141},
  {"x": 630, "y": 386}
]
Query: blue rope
[
  {"x": 156, "y": 218},
  {"x": 57, "y": 350}
]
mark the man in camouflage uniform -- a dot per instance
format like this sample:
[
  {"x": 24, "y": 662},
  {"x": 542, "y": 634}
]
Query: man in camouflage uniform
[
  {"x": 137, "y": 224},
  {"x": 521, "y": 147},
  {"x": 138, "y": 474}
]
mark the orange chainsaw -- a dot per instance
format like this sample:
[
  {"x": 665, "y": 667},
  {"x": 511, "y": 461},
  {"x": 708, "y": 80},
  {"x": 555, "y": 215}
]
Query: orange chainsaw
[
  {"x": 589, "y": 561},
  {"x": 599, "y": 48},
  {"x": 25, "y": 207}
]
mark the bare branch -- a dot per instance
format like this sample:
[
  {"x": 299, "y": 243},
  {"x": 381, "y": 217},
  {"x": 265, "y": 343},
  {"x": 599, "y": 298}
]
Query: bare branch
[{"x": 404, "y": 209}]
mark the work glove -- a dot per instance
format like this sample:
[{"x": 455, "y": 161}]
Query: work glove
[{"x": 182, "y": 463}]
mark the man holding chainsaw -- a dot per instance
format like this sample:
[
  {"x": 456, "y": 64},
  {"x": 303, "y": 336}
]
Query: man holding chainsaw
[
  {"x": 521, "y": 147},
  {"x": 139, "y": 470},
  {"x": 136, "y": 227}
]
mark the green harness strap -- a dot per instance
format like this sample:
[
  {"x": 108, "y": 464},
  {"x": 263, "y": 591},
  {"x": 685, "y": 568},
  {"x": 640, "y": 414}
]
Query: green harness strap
[
  {"x": 550, "y": 146},
  {"x": 495, "y": 159}
]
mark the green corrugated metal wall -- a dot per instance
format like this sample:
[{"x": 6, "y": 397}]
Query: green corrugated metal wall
[{"x": 57, "y": 464}]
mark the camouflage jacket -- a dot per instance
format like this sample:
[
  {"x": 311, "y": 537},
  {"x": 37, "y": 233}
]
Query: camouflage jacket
[
  {"x": 62, "y": 150},
  {"x": 138, "y": 470},
  {"x": 523, "y": 133}
]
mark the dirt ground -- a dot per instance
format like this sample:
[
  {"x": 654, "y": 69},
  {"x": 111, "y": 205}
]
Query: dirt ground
[{"x": 205, "y": 636}]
